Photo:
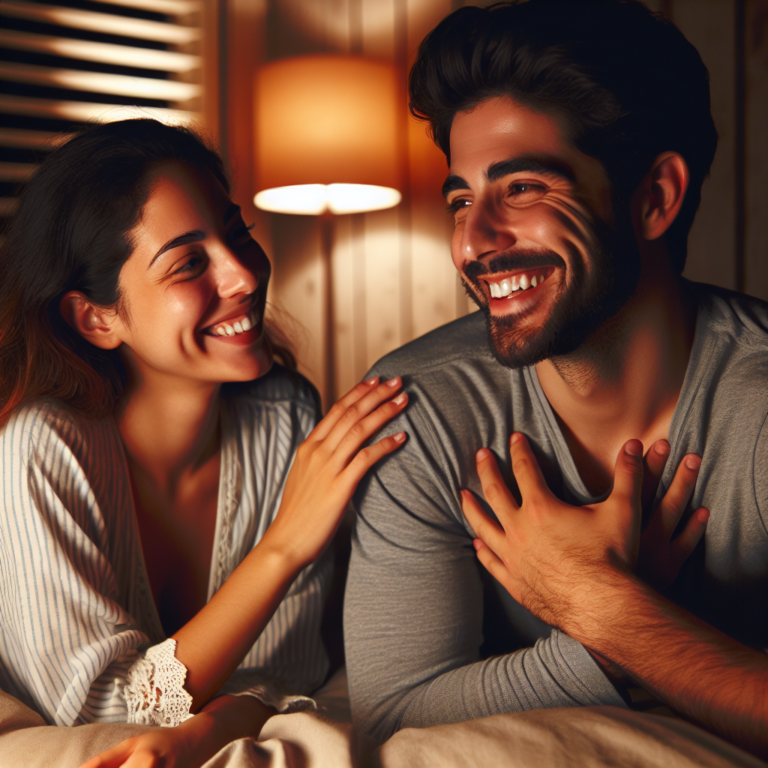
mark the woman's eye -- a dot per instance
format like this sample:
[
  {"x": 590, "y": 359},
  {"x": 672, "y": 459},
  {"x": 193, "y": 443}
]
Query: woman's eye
[
  {"x": 193, "y": 264},
  {"x": 241, "y": 234}
]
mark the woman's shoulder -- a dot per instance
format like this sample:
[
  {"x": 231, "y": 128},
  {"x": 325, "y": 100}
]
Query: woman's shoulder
[
  {"x": 279, "y": 388},
  {"x": 42, "y": 428}
]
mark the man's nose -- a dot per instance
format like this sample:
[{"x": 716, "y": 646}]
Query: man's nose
[{"x": 485, "y": 232}]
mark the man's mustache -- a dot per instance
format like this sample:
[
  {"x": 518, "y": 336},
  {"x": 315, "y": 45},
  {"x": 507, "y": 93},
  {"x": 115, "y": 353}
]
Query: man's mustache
[{"x": 510, "y": 261}]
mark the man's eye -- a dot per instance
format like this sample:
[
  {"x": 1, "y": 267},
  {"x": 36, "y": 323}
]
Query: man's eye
[
  {"x": 525, "y": 191},
  {"x": 456, "y": 205}
]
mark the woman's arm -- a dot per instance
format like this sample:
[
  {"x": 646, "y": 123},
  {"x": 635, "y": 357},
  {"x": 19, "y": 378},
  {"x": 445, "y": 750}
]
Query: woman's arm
[
  {"x": 221, "y": 721},
  {"x": 326, "y": 470}
]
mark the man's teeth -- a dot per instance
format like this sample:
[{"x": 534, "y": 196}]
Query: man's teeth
[
  {"x": 510, "y": 285},
  {"x": 239, "y": 326}
]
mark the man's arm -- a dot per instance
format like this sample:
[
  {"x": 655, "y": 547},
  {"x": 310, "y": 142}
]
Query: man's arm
[
  {"x": 572, "y": 566},
  {"x": 414, "y": 609}
]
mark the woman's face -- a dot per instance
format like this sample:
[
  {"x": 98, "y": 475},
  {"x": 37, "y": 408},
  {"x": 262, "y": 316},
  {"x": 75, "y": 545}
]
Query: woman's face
[{"x": 195, "y": 285}]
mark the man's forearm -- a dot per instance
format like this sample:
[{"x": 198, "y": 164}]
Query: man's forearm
[{"x": 697, "y": 670}]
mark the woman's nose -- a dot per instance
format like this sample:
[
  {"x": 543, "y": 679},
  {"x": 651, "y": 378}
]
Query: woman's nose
[{"x": 236, "y": 274}]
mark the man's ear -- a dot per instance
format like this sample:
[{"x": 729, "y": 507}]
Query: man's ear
[
  {"x": 94, "y": 323},
  {"x": 662, "y": 193}
]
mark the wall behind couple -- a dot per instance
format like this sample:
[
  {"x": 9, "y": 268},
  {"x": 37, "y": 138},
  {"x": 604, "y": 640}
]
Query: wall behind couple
[{"x": 393, "y": 276}]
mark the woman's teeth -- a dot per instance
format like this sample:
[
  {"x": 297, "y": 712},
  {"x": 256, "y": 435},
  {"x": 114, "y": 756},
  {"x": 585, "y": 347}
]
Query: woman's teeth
[
  {"x": 239, "y": 326},
  {"x": 510, "y": 285}
]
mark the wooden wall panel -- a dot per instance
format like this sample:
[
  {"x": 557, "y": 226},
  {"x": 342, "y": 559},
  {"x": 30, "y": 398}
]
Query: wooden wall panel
[
  {"x": 709, "y": 25},
  {"x": 756, "y": 148}
]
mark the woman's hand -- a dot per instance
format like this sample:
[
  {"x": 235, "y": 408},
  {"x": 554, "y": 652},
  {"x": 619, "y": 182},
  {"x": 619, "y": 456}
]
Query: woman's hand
[
  {"x": 328, "y": 466},
  {"x": 661, "y": 555},
  {"x": 192, "y": 743}
]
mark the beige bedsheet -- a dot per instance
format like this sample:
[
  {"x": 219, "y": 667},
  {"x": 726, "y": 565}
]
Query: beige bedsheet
[{"x": 583, "y": 737}]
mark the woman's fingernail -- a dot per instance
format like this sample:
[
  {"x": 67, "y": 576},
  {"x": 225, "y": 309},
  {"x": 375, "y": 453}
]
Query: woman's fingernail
[
  {"x": 693, "y": 462},
  {"x": 394, "y": 382},
  {"x": 703, "y": 515},
  {"x": 661, "y": 448},
  {"x": 372, "y": 381},
  {"x": 477, "y": 544},
  {"x": 483, "y": 454},
  {"x": 516, "y": 437},
  {"x": 400, "y": 399},
  {"x": 634, "y": 448},
  {"x": 399, "y": 437}
]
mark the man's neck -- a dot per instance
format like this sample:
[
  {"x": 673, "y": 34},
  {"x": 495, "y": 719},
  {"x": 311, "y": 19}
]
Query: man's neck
[{"x": 624, "y": 382}]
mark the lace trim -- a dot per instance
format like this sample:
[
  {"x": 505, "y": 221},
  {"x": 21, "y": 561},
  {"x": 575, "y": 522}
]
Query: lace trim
[{"x": 155, "y": 692}]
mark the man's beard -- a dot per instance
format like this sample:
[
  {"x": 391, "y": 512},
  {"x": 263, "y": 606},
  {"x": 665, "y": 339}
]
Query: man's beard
[{"x": 591, "y": 299}]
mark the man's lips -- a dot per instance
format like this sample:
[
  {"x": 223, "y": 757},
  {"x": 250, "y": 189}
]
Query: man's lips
[{"x": 508, "y": 285}]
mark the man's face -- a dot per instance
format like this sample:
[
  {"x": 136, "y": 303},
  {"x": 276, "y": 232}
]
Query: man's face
[{"x": 535, "y": 240}]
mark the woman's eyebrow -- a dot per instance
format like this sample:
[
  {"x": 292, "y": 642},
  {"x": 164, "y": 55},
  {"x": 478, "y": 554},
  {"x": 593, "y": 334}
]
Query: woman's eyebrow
[{"x": 195, "y": 236}]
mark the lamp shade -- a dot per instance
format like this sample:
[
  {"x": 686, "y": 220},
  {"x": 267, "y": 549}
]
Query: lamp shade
[{"x": 329, "y": 121}]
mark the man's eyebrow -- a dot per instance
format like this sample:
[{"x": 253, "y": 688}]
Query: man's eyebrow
[
  {"x": 453, "y": 182},
  {"x": 544, "y": 166},
  {"x": 195, "y": 236}
]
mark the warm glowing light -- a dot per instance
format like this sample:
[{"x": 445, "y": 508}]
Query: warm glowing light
[{"x": 314, "y": 199}]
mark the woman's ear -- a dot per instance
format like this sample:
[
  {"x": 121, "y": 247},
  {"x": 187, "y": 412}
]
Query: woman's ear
[
  {"x": 92, "y": 322},
  {"x": 662, "y": 193}
]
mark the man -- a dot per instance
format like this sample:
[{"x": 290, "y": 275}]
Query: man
[{"x": 578, "y": 136}]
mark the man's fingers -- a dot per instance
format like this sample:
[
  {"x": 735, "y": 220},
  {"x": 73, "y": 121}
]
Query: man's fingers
[
  {"x": 494, "y": 487},
  {"x": 628, "y": 475},
  {"x": 493, "y": 564},
  {"x": 526, "y": 469},
  {"x": 678, "y": 495},
  {"x": 689, "y": 537},
  {"x": 485, "y": 528},
  {"x": 653, "y": 467}
]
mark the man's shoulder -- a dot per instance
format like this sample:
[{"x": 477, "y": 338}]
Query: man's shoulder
[
  {"x": 459, "y": 341},
  {"x": 741, "y": 317}
]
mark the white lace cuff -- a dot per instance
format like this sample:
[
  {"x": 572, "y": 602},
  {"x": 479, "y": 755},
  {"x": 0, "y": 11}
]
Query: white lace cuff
[{"x": 154, "y": 691}]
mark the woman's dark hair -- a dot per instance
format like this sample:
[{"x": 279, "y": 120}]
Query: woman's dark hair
[
  {"x": 71, "y": 232},
  {"x": 624, "y": 80}
]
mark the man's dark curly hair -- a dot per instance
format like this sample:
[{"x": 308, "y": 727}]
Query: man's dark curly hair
[{"x": 624, "y": 81}]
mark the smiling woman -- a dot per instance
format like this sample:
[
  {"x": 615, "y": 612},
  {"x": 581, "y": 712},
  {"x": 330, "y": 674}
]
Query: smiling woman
[{"x": 167, "y": 491}]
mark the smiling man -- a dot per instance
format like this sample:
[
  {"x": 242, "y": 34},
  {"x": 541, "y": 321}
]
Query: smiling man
[{"x": 578, "y": 136}]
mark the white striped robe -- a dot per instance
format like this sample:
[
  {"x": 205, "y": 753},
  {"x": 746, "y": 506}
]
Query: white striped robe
[{"x": 76, "y": 608}]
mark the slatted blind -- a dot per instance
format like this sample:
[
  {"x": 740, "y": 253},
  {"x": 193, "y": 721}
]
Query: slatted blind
[{"x": 70, "y": 62}]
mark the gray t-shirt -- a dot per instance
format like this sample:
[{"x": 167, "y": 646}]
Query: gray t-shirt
[{"x": 430, "y": 637}]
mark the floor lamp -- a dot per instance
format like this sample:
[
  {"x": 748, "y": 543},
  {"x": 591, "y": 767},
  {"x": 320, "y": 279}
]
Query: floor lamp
[{"x": 327, "y": 144}]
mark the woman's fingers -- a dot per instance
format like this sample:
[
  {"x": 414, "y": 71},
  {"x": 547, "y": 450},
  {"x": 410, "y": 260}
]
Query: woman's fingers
[
  {"x": 369, "y": 455},
  {"x": 678, "y": 495},
  {"x": 653, "y": 467},
  {"x": 357, "y": 410},
  {"x": 363, "y": 429},
  {"x": 494, "y": 487},
  {"x": 339, "y": 408}
]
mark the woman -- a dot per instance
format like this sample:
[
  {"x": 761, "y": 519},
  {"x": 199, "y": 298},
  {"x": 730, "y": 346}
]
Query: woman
[{"x": 159, "y": 502}]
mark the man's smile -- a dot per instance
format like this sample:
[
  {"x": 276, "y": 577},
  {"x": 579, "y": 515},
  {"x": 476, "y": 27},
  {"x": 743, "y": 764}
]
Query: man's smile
[{"x": 506, "y": 286}]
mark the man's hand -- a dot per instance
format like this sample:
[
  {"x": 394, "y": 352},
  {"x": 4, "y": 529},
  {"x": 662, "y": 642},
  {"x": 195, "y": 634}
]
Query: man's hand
[
  {"x": 661, "y": 555},
  {"x": 546, "y": 552}
]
